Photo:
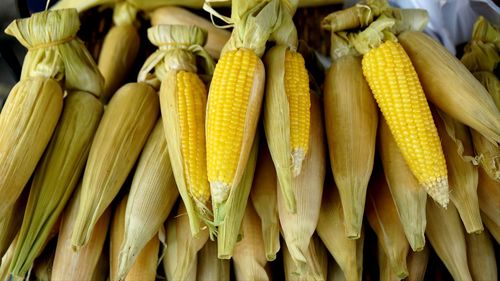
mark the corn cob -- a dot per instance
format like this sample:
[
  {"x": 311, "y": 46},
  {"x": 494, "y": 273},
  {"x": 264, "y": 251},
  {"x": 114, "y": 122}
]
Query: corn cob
[
  {"x": 417, "y": 264},
  {"x": 180, "y": 261},
  {"x": 385, "y": 268},
  {"x": 122, "y": 132},
  {"x": 351, "y": 126},
  {"x": 348, "y": 253},
  {"x": 11, "y": 222},
  {"x": 409, "y": 198},
  {"x": 57, "y": 176},
  {"x": 264, "y": 199},
  {"x": 298, "y": 228},
  {"x": 488, "y": 193},
  {"x": 480, "y": 112},
  {"x": 42, "y": 265},
  {"x": 209, "y": 266},
  {"x": 463, "y": 175},
  {"x": 81, "y": 264},
  {"x": 445, "y": 232},
  {"x": 481, "y": 257},
  {"x": 317, "y": 258},
  {"x": 116, "y": 234},
  {"x": 383, "y": 218},
  {"x": 152, "y": 196},
  {"x": 493, "y": 227}
]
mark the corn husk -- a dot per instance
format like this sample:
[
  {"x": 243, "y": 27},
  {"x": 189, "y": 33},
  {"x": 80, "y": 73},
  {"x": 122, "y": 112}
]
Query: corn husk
[
  {"x": 445, "y": 232},
  {"x": 57, "y": 176},
  {"x": 11, "y": 223},
  {"x": 146, "y": 263},
  {"x": 122, "y": 132},
  {"x": 488, "y": 153},
  {"x": 209, "y": 266},
  {"x": 417, "y": 264},
  {"x": 101, "y": 272},
  {"x": 491, "y": 82},
  {"x": 116, "y": 234},
  {"x": 152, "y": 196},
  {"x": 348, "y": 253},
  {"x": 335, "y": 273},
  {"x": 351, "y": 127},
  {"x": 488, "y": 192},
  {"x": 42, "y": 266},
  {"x": 408, "y": 195},
  {"x": 249, "y": 257},
  {"x": 493, "y": 227},
  {"x": 181, "y": 258},
  {"x": 385, "y": 269},
  {"x": 7, "y": 260},
  {"x": 317, "y": 267},
  {"x": 264, "y": 199},
  {"x": 82, "y": 263},
  {"x": 432, "y": 60},
  {"x": 357, "y": 16},
  {"x": 383, "y": 218},
  {"x": 481, "y": 257},
  {"x": 233, "y": 210},
  {"x": 179, "y": 16},
  {"x": 298, "y": 228},
  {"x": 462, "y": 174}
]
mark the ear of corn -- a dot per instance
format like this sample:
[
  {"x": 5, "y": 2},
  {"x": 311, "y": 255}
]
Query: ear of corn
[
  {"x": 7, "y": 260},
  {"x": 82, "y": 263},
  {"x": 351, "y": 126},
  {"x": 348, "y": 253},
  {"x": 28, "y": 118},
  {"x": 298, "y": 228},
  {"x": 57, "y": 175},
  {"x": 463, "y": 175},
  {"x": 445, "y": 232},
  {"x": 383, "y": 218},
  {"x": 488, "y": 193},
  {"x": 455, "y": 87},
  {"x": 417, "y": 264},
  {"x": 492, "y": 226},
  {"x": 11, "y": 222},
  {"x": 209, "y": 266},
  {"x": 409, "y": 197},
  {"x": 116, "y": 235},
  {"x": 317, "y": 258},
  {"x": 146, "y": 263},
  {"x": 481, "y": 256},
  {"x": 152, "y": 196},
  {"x": 264, "y": 199},
  {"x": 385, "y": 268},
  {"x": 122, "y": 132}
]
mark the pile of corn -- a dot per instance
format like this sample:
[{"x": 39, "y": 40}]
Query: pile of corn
[{"x": 226, "y": 150}]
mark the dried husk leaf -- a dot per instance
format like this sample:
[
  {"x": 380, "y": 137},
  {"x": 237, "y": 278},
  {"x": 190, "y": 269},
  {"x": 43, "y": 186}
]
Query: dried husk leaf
[
  {"x": 146, "y": 263},
  {"x": 417, "y": 264},
  {"x": 488, "y": 154},
  {"x": 488, "y": 193},
  {"x": 491, "y": 82},
  {"x": 172, "y": 15},
  {"x": 317, "y": 267},
  {"x": 408, "y": 195},
  {"x": 152, "y": 196},
  {"x": 6, "y": 261},
  {"x": 348, "y": 253},
  {"x": 351, "y": 125},
  {"x": 122, "y": 132},
  {"x": 101, "y": 271},
  {"x": 42, "y": 266},
  {"x": 249, "y": 257},
  {"x": 357, "y": 16},
  {"x": 57, "y": 176},
  {"x": 264, "y": 199},
  {"x": 383, "y": 218},
  {"x": 385, "y": 268},
  {"x": 210, "y": 267},
  {"x": 180, "y": 261},
  {"x": 116, "y": 234},
  {"x": 445, "y": 232},
  {"x": 462, "y": 174},
  {"x": 450, "y": 86},
  {"x": 493, "y": 227},
  {"x": 11, "y": 222},
  {"x": 232, "y": 211},
  {"x": 335, "y": 273},
  {"x": 481, "y": 257},
  {"x": 27, "y": 121},
  {"x": 82, "y": 263}
]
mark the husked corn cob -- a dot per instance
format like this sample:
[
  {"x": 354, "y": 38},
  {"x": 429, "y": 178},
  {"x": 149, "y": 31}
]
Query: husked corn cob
[
  {"x": 417, "y": 264},
  {"x": 481, "y": 256},
  {"x": 209, "y": 266},
  {"x": 11, "y": 222}
]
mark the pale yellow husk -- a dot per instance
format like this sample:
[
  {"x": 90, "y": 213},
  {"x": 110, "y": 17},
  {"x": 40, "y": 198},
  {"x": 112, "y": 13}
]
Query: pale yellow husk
[
  {"x": 264, "y": 199},
  {"x": 101, "y": 271},
  {"x": 209, "y": 266},
  {"x": 298, "y": 228},
  {"x": 181, "y": 258},
  {"x": 351, "y": 127},
  {"x": 348, "y": 253},
  {"x": 481, "y": 257},
  {"x": 357, "y": 16},
  {"x": 6, "y": 261},
  {"x": 408, "y": 195},
  {"x": 446, "y": 235},
  {"x": 417, "y": 264},
  {"x": 491, "y": 82},
  {"x": 82, "y": 263},
  {"x": 334, "y": 271},
  {"x": 488, "y": 154},
  {"x": 488, "y": 193},
  {"x": 317, "y": 259},
  {"x": 383, "y": 218},
  {"x": 144, "y": 268},
  {"x": 122, "y": 132},
  {"x": 385, "y": 269},
  {"x": 42, "y": 265},
  {"x": 57, "y": 176},
  {"x": 116, "y": 234},
  {"x": 493, "y": 227},
  {"x": 462, "y": 173},
  {"x": 249, "y": 257},
  {"x": 11, "y": 222},
  {"x": 152, "y": 196}
]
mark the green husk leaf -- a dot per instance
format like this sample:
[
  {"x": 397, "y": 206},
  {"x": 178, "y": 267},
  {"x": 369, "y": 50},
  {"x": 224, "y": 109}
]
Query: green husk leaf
[
  {"x": 374, "y": 35},
  {"x": 340, "y": 46},
  {"x": 486, "y": 32},
  {"x": 480, "y": 56}
]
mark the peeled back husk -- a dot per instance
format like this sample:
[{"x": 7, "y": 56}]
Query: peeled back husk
[
  {"x": 488, "y": 192},
  {"x": 298, "y": 228},
  {"x": 481, "y": 257},
  {"x": 11, "y": 223},
  {"x": 209, "y": 266},
  {"x": 122, "y": 132},
  {"x": 450, "y": 86},
  {"x": 317, "y": 267},
  {"x": 417, "y": 264}
]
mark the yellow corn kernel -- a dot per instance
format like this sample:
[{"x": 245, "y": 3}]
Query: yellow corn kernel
[
  {"x": 397, "y": 90},
  {"x": 192, "y": 96},
  {"x": 297, "y": 91},
  {"x": 232, "y": 84}
]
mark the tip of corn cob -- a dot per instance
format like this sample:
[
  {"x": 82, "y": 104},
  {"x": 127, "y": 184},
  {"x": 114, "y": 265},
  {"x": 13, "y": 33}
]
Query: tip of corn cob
[
  {"x": 438, "y": 190},
  {"x": 219, "y": 191},
  {"x": 298, "y": 156}
]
